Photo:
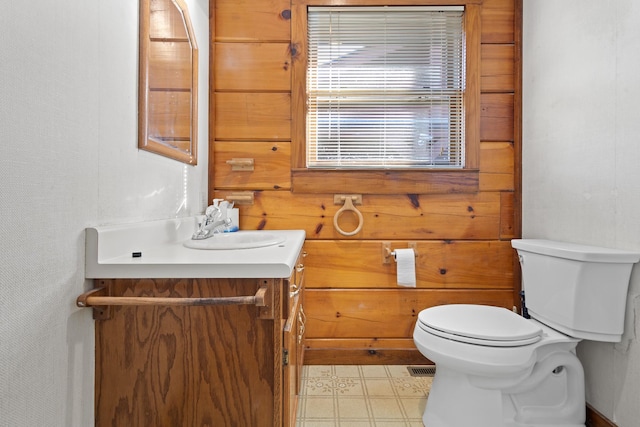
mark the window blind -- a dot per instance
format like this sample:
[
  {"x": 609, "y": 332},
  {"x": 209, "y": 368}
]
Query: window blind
[{"x": 385, "y": 87}]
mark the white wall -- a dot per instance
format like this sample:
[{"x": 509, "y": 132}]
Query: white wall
[
  {"x": 581, "y": 159},
  {"x": 68, "y": 160}
]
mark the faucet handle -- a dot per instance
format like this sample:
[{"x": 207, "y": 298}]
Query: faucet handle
[{"x": 211, "y": 212}]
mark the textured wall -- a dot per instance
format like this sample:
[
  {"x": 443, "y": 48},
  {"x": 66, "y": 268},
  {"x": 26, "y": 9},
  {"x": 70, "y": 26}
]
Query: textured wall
[
  {"x": 581, "y": 151},
  {"x": 69, "y": 159}
]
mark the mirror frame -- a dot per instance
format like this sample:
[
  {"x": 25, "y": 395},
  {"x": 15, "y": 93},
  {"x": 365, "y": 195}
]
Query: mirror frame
[{"x": 145, "y": 142}]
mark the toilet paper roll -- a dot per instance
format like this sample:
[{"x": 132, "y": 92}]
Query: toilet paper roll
[{"x": 406, "y": 265}]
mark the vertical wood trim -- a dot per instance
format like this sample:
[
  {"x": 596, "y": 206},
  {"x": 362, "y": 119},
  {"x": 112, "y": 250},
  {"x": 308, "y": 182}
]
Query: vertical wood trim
[
  {"x": 298, "y": 85},
  {"x": 472, "y": 101},
  {"x": 517, "y": 146},
  {"x": 517, "y": 121}
]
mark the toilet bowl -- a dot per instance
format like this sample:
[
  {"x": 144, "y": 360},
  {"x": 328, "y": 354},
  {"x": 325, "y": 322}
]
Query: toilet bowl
[{"x": 495, "y": 368}]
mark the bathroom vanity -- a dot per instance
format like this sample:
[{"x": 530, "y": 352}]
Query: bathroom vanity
[{"x": 189, "y": 337}]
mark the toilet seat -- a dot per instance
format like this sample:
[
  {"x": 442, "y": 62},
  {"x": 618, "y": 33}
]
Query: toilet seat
[{"x": 479, "y": 325}]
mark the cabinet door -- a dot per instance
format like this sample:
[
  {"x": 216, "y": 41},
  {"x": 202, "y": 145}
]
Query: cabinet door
[{"x": 176, "y": 365}]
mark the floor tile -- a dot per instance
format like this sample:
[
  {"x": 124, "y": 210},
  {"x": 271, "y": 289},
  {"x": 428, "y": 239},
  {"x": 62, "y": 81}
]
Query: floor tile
[{"x": 358, "y": 396}]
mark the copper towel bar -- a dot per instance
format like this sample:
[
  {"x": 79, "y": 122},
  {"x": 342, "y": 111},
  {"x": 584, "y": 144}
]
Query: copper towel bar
[{"x": 95, "y": 297}]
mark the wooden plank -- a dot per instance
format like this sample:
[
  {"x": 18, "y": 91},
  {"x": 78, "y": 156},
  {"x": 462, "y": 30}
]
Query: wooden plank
[
  {"x": 271, "y": 165},
  {"x": 473, "y": 113},
  {"x": 250, "y": 20},
  {"x": 360, "y": 343},
  {"x": 346, "y": 313},
  {"x": 363, "y": 351},
  {"x": 386, "y": 217},
  {"x": 496, "y": 166},
  {"x": 385, "y": 181},
  {"x": 496, "y": 117},
  {"x": 332, "y": 356},
  {"x": 497, "y": 68},
  {"x": 252, "y": 67},
  {"x": 498, "y": 21},
  {"x": 508, "y": 229},
  {"x": 298, "y": 86},
  {"x": 253, "y": 116},
  {"x": 439, "y": 264}
]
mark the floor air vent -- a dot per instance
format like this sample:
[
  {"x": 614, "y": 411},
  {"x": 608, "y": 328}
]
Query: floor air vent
[{"x": 422, "y": 371}]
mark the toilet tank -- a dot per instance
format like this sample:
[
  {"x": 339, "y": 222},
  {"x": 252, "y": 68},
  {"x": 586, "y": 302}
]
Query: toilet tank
[{"x": 578, "y": 290}]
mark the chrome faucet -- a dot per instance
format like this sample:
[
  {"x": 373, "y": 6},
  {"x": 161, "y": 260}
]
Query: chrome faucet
[{"x": 212, "y": 223}]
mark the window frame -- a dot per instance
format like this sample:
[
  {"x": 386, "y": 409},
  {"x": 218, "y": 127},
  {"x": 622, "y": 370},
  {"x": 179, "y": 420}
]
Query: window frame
[{"x": 382, "y": 180}]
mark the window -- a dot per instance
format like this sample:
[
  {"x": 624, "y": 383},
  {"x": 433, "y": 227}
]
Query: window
[
  {"x": 429, "y": 144},
  {"x": 385, "y": 87}
]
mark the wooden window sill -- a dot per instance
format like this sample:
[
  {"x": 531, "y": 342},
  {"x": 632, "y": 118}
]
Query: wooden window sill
[{"x": 385, "y": 181}]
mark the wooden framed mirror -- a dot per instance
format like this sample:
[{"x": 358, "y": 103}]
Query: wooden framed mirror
[{"x": 168, "y": 81}]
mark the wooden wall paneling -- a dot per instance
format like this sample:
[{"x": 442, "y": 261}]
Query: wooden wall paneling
[
  {"x": 251, "y": 20},
  {"x": 252, "y": 67},
  {"x": 463, "y": 239},
  {"x": 272, "y": 163},
  {"x": 497, "y": 68},
  {"x": 369, "y": 343},
  {"x": 298, "y": 84},
  {"x": 363, "y": 351},
  {"x": 352, "y": 264},
  {"x": 257, "y": 116},
  {"x": 384, "y": 181},
  {"x": 498, "y": 21},
  {"x": 366, "y": 356},
  {"x": 451, "y": 216},
  {"x": 515, "y": 198},
  {"x": 496, "y": 117},
  {"x": 496, "y": 166},
  {"x": 517, "y": 122},
  {"x": 508, "y": 218},
  {"x": 385, "y": 313}
]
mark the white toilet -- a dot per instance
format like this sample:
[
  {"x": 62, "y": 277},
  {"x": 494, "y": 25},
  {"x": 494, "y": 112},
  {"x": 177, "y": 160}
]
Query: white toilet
[{"x": 495, "y": 368}]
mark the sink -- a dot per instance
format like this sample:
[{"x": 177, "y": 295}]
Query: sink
[
  {"x": 162, "y": 248},
  {"x": 237, "y": 240}
]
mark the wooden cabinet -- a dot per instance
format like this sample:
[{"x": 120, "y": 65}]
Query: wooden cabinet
[{"x": 222, "y": 365}]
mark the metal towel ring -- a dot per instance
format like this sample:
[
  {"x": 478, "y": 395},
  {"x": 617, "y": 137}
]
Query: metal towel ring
[{"x": 348, "y": 206}]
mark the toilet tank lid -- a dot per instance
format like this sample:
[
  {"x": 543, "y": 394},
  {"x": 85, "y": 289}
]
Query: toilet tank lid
[{"x": 575, "y": 251}]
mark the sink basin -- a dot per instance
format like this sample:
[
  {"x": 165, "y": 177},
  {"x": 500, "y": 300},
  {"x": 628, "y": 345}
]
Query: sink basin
[{"x": 237, "y": 240}]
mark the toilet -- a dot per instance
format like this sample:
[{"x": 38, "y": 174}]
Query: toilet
[{"x": 496, "y": 368}]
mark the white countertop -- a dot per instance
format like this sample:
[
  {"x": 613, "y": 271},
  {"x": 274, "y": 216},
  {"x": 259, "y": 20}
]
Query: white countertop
[{"x": 110, "y": 253}]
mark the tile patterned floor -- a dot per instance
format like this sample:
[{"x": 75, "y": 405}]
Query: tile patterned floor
[{"x": 358, "y": 396}]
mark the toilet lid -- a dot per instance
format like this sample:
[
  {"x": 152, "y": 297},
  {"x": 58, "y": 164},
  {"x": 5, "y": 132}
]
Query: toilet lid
[{"x": 479, "y": 324}]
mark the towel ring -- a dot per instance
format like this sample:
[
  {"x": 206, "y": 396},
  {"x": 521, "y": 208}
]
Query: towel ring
[{"x": 348, "y": 206}]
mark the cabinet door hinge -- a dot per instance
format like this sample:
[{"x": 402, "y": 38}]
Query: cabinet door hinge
[{"x": 285, "y": 357}]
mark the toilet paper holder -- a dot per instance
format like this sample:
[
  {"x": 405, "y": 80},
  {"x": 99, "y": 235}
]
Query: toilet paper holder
[{"x": 388, "y": 253}]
